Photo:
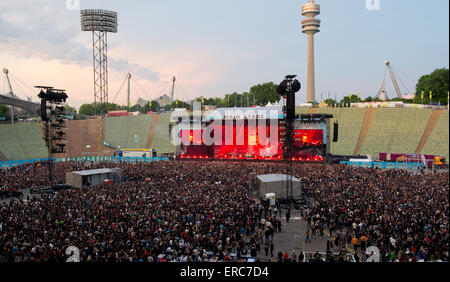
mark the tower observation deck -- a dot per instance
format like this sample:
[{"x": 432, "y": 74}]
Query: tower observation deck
[{"x": 310, "y": 27}]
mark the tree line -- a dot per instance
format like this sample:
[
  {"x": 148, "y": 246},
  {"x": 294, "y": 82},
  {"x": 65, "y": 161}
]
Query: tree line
[
  {"x": 259, "y": 95},
  {"x": 432, "y": 88}
]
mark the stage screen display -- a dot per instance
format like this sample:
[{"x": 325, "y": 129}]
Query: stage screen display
[
  {"x": 241, "y": 142},
  {"x": 308, "y": 137},
  {"x": 240, "y": 139}
]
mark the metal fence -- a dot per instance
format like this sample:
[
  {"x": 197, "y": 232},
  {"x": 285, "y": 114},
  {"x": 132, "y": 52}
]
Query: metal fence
[{"x": 386, "y": 165}]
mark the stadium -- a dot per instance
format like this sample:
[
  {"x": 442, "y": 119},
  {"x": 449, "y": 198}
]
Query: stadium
[
  {"x": 271, "y": 180},
  {"x": 394, "y": 130},
  {"x": 391, "y": 130}
]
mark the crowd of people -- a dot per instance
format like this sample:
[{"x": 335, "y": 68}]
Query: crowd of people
[
  {"x": 203, "y": 211},
  {"x": 405, "y": 216}
]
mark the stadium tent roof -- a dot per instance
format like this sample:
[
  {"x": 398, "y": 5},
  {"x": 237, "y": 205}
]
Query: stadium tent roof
[
  {"x": 276, "y": 178},
  {"x": 95, "y": 171}
]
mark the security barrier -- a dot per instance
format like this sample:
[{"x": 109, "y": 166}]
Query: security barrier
[
  {"x": 386, "y": 165},
  {"x": 86, "y": 159}
]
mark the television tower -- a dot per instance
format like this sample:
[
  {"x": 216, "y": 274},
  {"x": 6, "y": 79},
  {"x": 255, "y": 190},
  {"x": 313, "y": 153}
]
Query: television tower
[
  {"x": 310, "y": 27},
  {"x": 100, "y": 22}
]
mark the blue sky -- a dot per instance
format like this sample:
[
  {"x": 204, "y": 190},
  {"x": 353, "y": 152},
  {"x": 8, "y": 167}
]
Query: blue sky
[{"x": 218, "y": 47}]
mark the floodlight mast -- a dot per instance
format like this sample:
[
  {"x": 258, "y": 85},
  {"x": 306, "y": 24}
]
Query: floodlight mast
[{"x": 100, "y": 22}]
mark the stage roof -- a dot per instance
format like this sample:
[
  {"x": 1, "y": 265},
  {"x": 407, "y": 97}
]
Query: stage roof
[
  {"x": 276, "y": 178},
  {"x": 95, "y": 171}
]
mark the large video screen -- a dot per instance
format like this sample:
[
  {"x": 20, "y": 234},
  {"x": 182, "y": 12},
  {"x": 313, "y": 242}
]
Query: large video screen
[{"x": 308, "y": 137}]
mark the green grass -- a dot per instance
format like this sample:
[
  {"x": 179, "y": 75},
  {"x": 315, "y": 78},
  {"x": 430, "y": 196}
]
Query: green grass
[
  {"x": 22, "y": 142},
  {"x": 392, "y": 130},
  {"x": 438, "y": 142},
  {"x": 350, "y": 122},
  {"x": 396, "y": 131},
  {"x": 161, "y": 142},
  {"x": 120, "y": 131}
]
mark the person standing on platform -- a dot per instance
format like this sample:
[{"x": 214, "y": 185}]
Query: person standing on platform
[
  {"x": 271, "y": 248},
  {"x": 288, "y": 214},
  {"x": 308, "y": 238}
]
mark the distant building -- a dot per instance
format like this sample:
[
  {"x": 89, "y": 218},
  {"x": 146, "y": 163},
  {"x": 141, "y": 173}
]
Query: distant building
[
  {"x": 164, "y": 100},
  {"x": 142, "y": 102},
  {"x": 382, "y": 94}
]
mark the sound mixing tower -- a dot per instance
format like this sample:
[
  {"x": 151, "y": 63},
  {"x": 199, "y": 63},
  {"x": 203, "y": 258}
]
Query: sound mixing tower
[{"x": 287, "y": 89}]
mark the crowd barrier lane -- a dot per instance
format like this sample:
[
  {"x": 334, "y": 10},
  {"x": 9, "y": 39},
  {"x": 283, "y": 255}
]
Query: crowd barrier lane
[
  {"x": 85, "y": 159},
  {"x": 386, "y": 165}
]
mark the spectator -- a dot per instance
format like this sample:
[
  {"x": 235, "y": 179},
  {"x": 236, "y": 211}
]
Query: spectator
[{"x": 205, "y": 207}]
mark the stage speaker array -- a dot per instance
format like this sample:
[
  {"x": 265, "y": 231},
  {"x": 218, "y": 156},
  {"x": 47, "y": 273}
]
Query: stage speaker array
[{"x": 335, "y": 132}]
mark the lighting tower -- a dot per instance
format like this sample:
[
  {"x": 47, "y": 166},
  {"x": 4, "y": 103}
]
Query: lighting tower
[
  {"x": 310, "y": 27},
  {"x": 100, "y": 22},
  {"x": 52, "y": 115}
]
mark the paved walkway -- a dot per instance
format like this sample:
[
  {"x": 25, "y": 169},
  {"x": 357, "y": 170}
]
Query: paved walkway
[{"x": 292, "y": 238}]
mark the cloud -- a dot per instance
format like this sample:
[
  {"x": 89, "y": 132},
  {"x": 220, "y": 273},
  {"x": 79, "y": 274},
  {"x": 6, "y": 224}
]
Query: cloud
[
  {"x": 46, "y": 30},
  {"x": 125, "y": 65}
]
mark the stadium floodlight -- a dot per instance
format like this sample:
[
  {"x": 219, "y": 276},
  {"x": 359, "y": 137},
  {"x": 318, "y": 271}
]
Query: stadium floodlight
[{"x": 99, "y": 22}]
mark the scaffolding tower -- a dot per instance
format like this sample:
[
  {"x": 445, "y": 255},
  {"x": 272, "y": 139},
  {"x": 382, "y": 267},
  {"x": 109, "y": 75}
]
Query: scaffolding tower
[{"x": 100, "y": 22}]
